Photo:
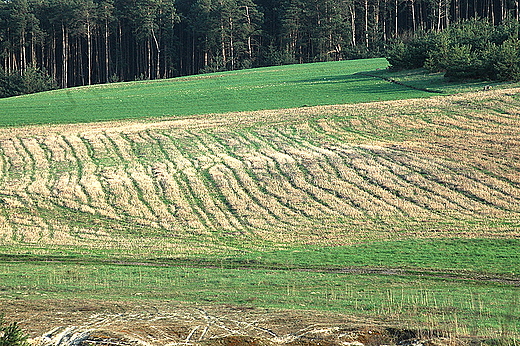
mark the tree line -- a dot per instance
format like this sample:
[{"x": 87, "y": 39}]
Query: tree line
[
  {"x": 470, "y": 49},
  {"x": 83, "y": 42}
]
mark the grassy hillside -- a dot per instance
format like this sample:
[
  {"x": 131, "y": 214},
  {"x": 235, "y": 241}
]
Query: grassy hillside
[
  {"x": 406, "y": 210},
  {"x": 265, "y": 88}
]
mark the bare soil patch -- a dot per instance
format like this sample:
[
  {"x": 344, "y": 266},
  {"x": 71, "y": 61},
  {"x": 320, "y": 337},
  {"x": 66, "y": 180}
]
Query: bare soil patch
[{"x": 96, "y": 322}]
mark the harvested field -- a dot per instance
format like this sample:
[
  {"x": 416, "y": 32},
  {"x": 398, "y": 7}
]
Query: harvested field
[{"x": 439, "y": 167}]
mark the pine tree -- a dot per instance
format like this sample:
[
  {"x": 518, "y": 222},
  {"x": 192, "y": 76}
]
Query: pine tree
[{"x": 11, "y": 335}]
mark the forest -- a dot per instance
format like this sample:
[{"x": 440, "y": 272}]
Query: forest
[{"x": 63, "y": 43}]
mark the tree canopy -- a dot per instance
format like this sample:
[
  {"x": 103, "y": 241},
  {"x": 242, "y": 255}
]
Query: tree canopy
[
  {"x": 82, "y": 42},
  {"x": 470, "y": 49}
]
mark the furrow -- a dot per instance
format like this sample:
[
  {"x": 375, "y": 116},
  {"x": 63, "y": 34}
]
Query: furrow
[
  {"x": 299, "y": 193},
  {"x": 274, "y": 211},
  {"x": 325, "y": 187},
  {"x": 434, "y": 195},
  {"x": 510, "y": 193},
  {"x": 372, "y": 197},
  {"x": 56, "y": 154},
  {"x": 408, "y": 197},
  {"x": 204, "y": 155},
  {"x": 31, "y": 174},
  {"x": 507, "y": 119},
  {"x": 270, "y": 184},
  {"x": 338, "y": 194},
  {"x": 141, "y": 177},
  {"x": 65, "y": 190},
  {"x": 262, "y": 207},
  {"x": 199, "y": 195},
  {"x": 117, "y": 186},
  {"x": 4, "y": 165},
  {"x": 41, "y": 168},
  {"x": 440, "y": 179},
  {"x": 239, "y": 160},
  {"x": 16, "y": 178},
  {"x": 289, "y": 186},
  {"x": 214, "y": 205},
  {"x": 123, "y": 194},
  {"x": 474, "y": 177},
  {"x": 464, "y": 181},
  {"x": 325, "y": 181},
  {"x": 502, "y": 193},
  {"x": 457, "y": 122},
  {"x": 121, "y": 146},
  {"x": 80, "y": 191},
  {"x": 237, "y": 199},
  {"x": 171, "y": 190},
  {"x": 98, "y": 152},
  {"x": 7, "y": 229},
  {"x": 418, "y": 189},
  {"x": 177, "y": 190},
  {"x": 89, "y": 179},
  {"x": 63, "y": 173},
  {"x": 340, "y": 183},
  {"x": 64, "y": 182},
  {"x": 260, "y": 169}
]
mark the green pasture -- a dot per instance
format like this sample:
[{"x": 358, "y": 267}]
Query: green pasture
[
  {"x": 461, "y": 285},
  {"x": 497, "y": 257},
  {"x": 454, "y": 305},
  {"x": 246, "y": 90},
  {"x": 470, "y": 256}
]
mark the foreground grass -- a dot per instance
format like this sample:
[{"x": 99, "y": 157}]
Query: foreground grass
[
  {"x": 247, "y": 90},
  {"x": 466, "y": 286},
  {"x": 453, "y": 305},
  {"x": 468, "y": 258}
]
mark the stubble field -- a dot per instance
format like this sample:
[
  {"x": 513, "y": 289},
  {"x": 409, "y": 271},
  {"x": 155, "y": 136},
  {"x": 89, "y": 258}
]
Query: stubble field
[{"x": 332, "y": 175}]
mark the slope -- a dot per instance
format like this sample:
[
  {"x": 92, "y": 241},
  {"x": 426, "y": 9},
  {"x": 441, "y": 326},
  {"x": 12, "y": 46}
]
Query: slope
[
  {"x": 438, "y": 167},
  {"x": 247, "y": 90}
]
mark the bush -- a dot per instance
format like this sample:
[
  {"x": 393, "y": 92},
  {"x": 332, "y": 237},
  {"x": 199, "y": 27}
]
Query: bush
[
  {"x": 216, "y": 64},
  {"x": 35, "y": 80},
  {"x": 476, "y": 33},
  {"x": 32, "y": 80},
  {"x": 411, "y": 53},
  {"x": 272, "y": 56},
  {"x": 506, "y": 61},
  {"x": 472, "y": 49},
  {"x": 465, "y": 63},
  {"x": 439, "y": 54},
  {"x": 10, "y": 84},
  {"x": 11, "y": 335}
]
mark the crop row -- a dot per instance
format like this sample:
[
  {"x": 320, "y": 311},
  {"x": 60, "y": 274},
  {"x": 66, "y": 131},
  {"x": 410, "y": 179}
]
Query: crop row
[{"x": 340, "y": 176}]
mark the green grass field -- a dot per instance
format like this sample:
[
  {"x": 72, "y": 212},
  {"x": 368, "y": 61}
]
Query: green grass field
[
  {"x": 247, "y": 90},
  {"x": 406, "y": 211},
  {"x": 437, "y": 283}
]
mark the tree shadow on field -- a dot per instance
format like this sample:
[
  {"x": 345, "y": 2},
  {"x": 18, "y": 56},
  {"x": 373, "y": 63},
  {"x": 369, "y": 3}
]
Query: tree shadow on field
[
  {"x": 334, "y": 79},
  {"x": 357, "y": 84}
]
